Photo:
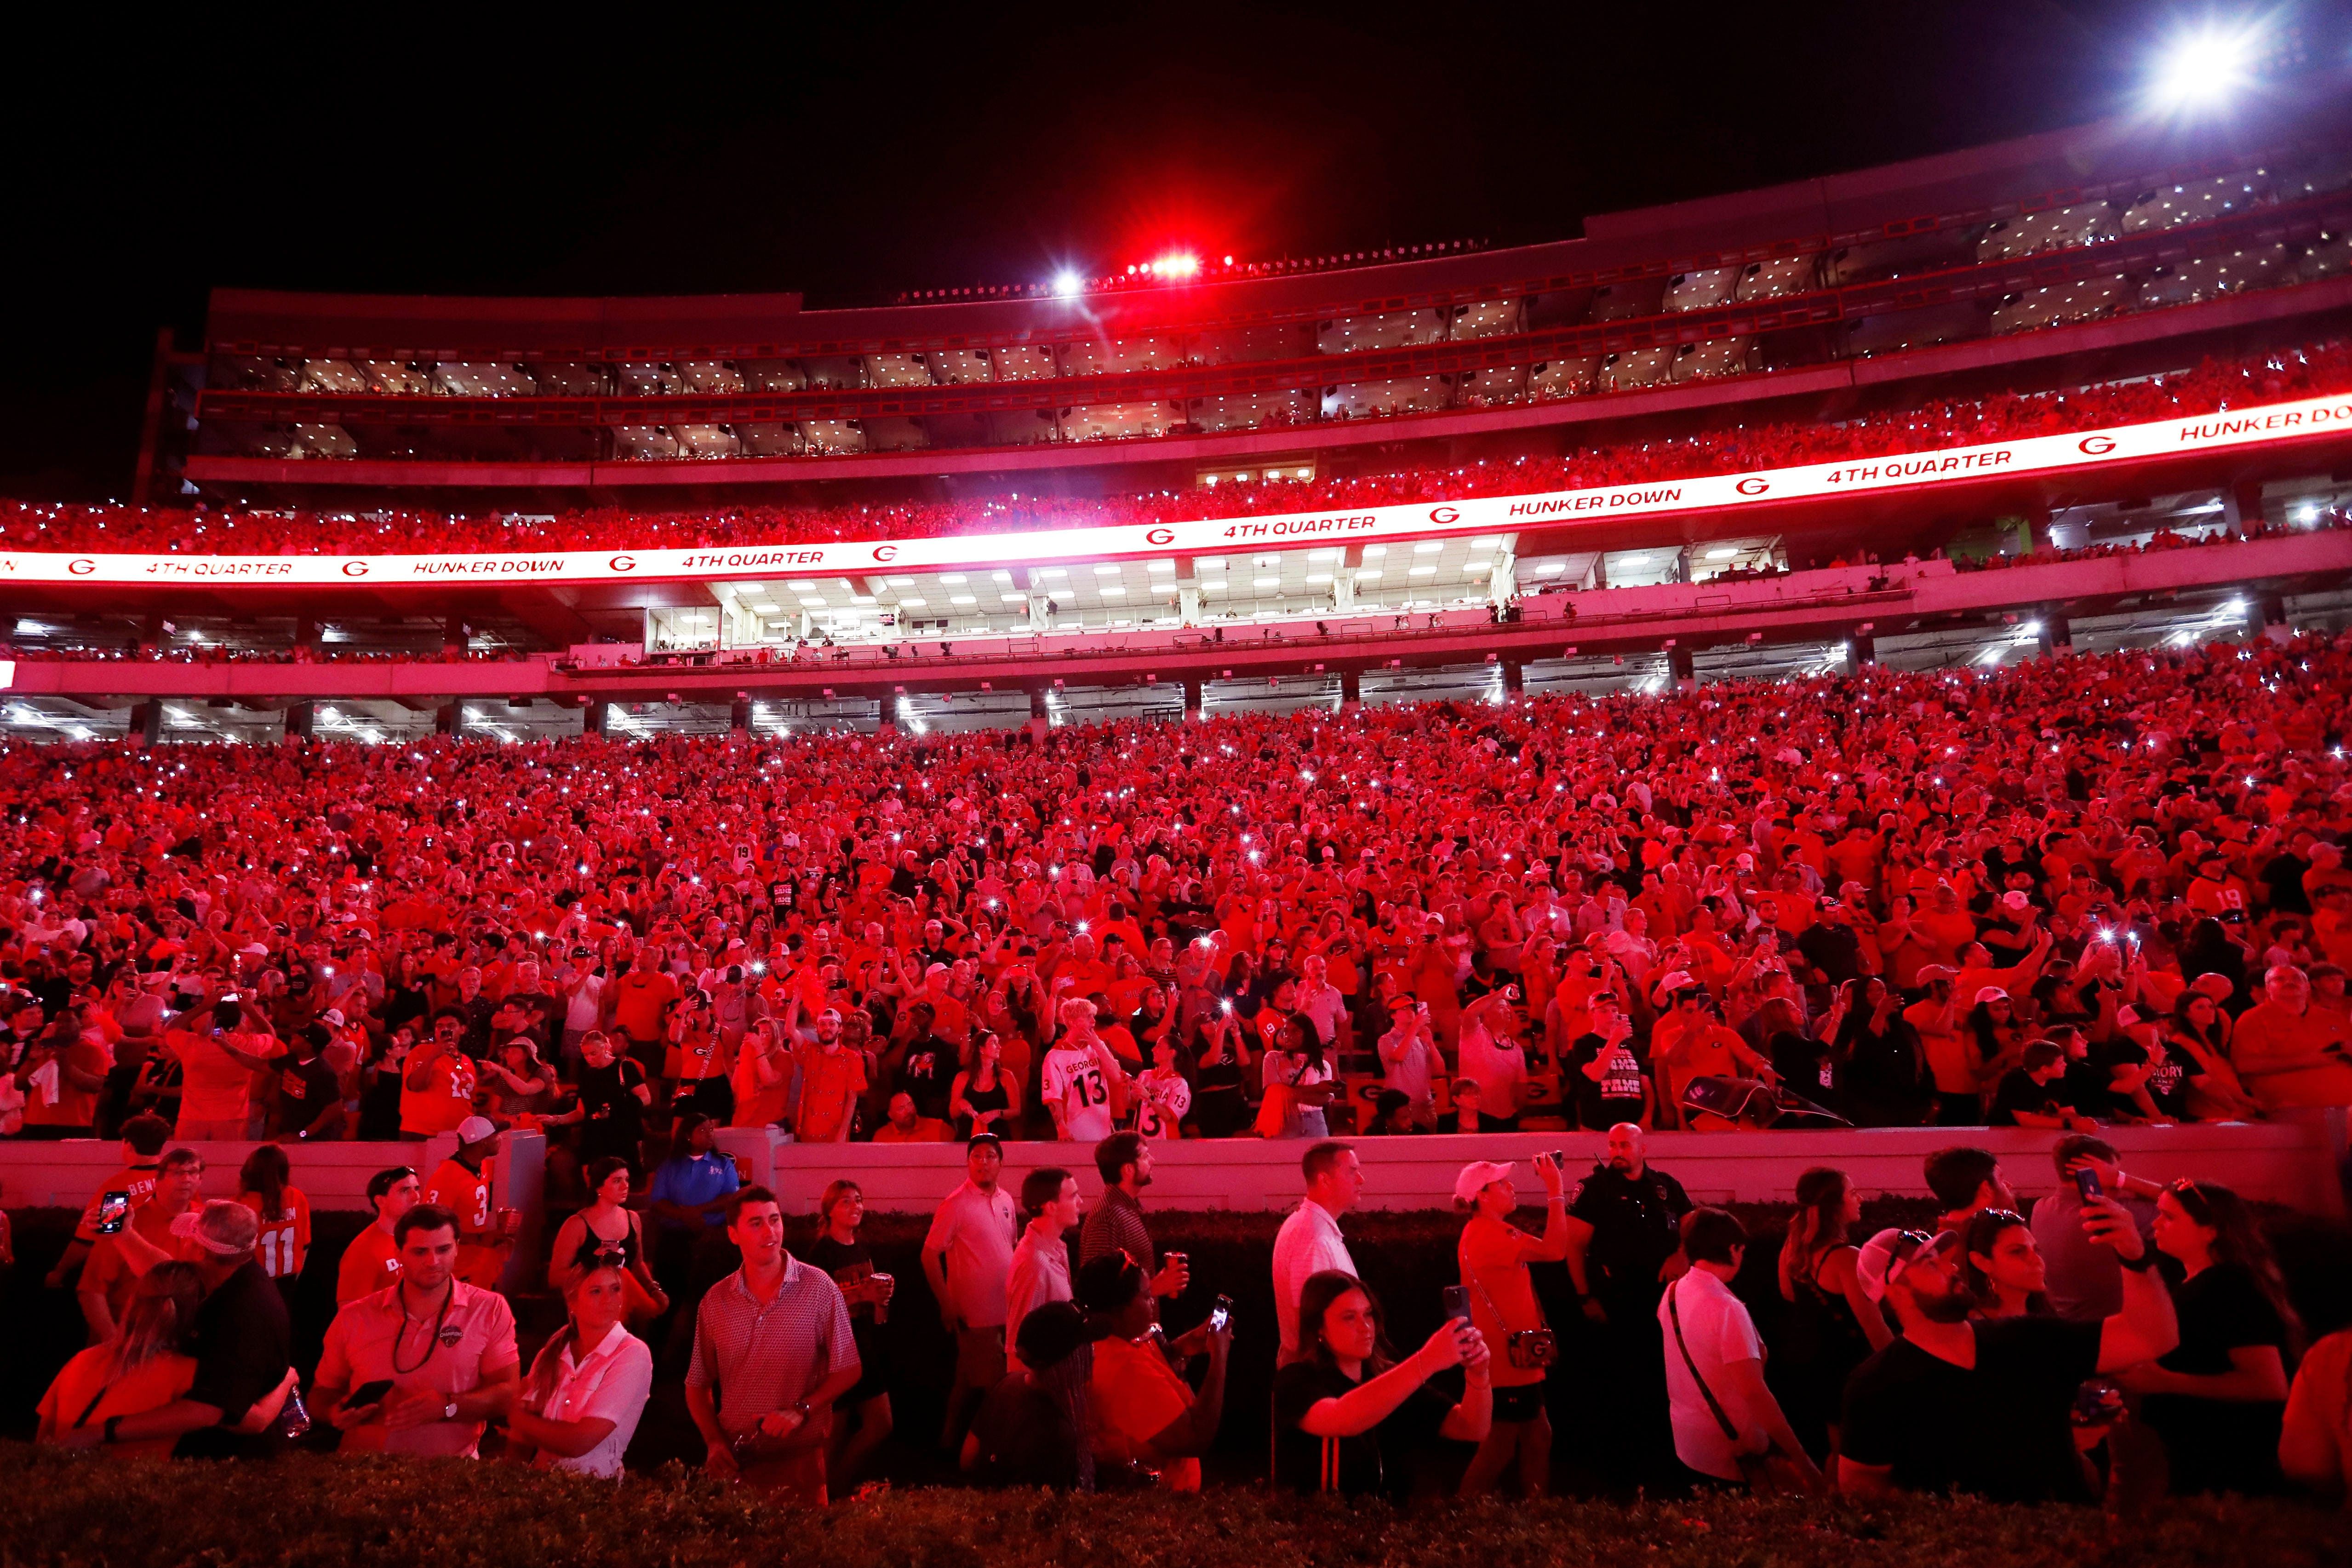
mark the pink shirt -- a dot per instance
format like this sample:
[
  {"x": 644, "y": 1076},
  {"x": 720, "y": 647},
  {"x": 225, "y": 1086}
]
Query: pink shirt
[{"x": 449, "y": 1353}]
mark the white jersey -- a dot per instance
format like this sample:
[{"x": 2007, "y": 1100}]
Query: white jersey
[{"x": 1076, "y": 1079}]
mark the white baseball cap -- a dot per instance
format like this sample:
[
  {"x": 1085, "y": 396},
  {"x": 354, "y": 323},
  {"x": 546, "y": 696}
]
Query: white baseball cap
[{"x": 1476, "y": 1176}]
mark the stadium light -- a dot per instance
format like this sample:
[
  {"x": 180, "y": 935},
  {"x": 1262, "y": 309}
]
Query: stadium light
[
  {"x": 1067, "y": 283},
  {"x": 2201, "y": 68},
  {"x": 1180, "y": 266}
]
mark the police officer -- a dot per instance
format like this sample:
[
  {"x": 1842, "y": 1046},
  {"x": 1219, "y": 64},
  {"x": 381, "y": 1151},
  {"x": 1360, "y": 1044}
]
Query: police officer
[
  {"x": 1625, "y": 1229},
  {"x": 1628, "y": 1227}
]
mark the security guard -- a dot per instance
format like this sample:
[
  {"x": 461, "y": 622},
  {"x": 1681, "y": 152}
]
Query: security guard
[{"x": 1626, "y": 1218}]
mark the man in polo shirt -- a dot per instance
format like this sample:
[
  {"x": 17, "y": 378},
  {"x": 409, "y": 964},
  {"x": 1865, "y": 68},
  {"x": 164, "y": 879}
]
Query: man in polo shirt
[
  {"x": 1116, "y": 1224},
  {"x": 446, "y": 1347},
  {"x": 373, "y": 1259},
  {"x": 1309, "y": 1241},
  {"x": 773, "y": 1351},
  {"x": 967, "y": 1258}
]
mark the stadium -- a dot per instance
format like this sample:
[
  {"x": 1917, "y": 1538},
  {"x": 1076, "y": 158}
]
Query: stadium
[{"x": 1845, "y": 677}]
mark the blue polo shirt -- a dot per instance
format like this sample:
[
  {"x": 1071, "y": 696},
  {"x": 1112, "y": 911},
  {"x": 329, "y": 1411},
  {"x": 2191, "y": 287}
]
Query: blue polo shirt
[{"x": 692, "y": 1180}]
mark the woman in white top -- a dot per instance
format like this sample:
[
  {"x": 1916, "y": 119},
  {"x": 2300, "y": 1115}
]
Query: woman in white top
[
  {"x": 1041, "y": 1261},
  {"x": 579, "y": 1407}
]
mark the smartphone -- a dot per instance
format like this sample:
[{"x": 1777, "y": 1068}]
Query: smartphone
[
  {"x": 1221, "y": 1313},
  {"x": 368, "y": 1394},
  {"x": 1457, "y": 1302},
  {"x": 2086, "y": 1182},
  {"x": 113, "y": 1211}
]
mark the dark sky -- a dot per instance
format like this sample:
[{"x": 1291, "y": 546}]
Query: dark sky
[{"x": 670, "y": 148}]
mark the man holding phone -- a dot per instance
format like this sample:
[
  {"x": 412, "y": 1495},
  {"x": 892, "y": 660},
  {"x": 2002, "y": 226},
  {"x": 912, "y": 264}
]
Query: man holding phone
[
  {"x": 2086, "y": 1279},
  {"x": 419, "y": 1366}
]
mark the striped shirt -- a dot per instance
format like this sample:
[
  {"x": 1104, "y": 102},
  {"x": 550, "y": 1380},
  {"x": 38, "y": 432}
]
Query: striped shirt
[
  {"x": 1115, "y": 1225},
  {"x": 768, "y": 1358}
]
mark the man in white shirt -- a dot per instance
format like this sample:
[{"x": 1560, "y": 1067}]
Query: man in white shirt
[
  {"x": 1408, "y": 1060},
  {"x": 1714, "y": 1362},
  {"x": 968, "y": 1257},
  {"x": 1309, "y": 1240},
  {"x": 1320, "y": 1001}
]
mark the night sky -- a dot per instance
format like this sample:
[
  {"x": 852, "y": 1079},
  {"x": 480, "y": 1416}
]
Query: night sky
[{"x": 672, "y": 149}]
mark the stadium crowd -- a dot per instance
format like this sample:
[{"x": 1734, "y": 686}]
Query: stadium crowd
[
  {"x": 2067, "y": 894},
  {"x": 2323, "y": 367}
]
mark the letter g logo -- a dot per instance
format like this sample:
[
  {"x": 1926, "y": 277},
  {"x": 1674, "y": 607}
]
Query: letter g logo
[
  {"x": 1752, "y": 486},
  {"x": 886, "y": 553},
  {"x": 1159, "y": 536},
  {"x": 1443, "y": 514},
  {"x": 81, "y": 566},
  {"x": 2096, "y": 445},
  {"x": 622, "y": 563},
  {"x": 355, "y": 568}
]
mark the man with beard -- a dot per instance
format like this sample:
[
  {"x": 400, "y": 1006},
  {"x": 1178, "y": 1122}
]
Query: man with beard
[
  {"x": 1984, "y": 1406},
  {"x": 1624, "y": 1224},
  {"x": 1116, "y": 1224}
]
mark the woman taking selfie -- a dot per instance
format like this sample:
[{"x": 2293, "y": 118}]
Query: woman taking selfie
[{"x": 1350, "y": 1418}]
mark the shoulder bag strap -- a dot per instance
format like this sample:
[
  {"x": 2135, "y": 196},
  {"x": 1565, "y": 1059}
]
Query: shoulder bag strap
[
  {"x": 1674, "y": 1316},
  {"x": 1462, "y": 1257}
]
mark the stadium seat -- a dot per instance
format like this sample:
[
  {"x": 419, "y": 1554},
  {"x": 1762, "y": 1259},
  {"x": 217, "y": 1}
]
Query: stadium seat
[
  {"x": 254, "y": 374},
  {"x": 643, "y": 442},
  {"x": 330, "y": 376},
  {"x": 1241, "y": 346},
  {"x": 772, "y": 376},
  {"x": 397, "y": 378},
  {"x": 838, "y": 372},
  {"x": 958, "y": 367},
  {"x": 1365, "y": 399},
  {"x": 1251, "y": 411},
  {"x": 765, "y": 440},
  {"x": 461, "y": 378},
  {"x": 2331, "y": 257},
  {"x": 1398, "y": 328},
  {"x": 711, "y": 375},
  {"x": 1700, "y": 290},
  {"x": 1624, "y": 301},
  {"x": 1562, "y": 377},
  {"x": 1114, "y": 356},
  {"x": 642, "y": 380},
  {"x": 1022, "y": 363},
  {"x": 1776, "y": 280},
  {"x": 2211, "y": 277},
  {"x": 1641, "y": 367},
  {"x": 830, "y": 436},
  {"x": 1496, "y": 384},
  {"x": 2077, "y": 302},
  {"x": 323, "y": 441},
  {"x": 896, "y": 370},
  {"x": 2195, "y": 202},
  {"x": 558, "y": 379},
  {"x": 888, "y": 433},
  {"x": 706, "y": 441},
  {"x": 1118, "y": 421},
  {"x": 1488, "y": 319},
  {"x": 2086, "y": 223},
  {"x": 1718, "y": 356}
]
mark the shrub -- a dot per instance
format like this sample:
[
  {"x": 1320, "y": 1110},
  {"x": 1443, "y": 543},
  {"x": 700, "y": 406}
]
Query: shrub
[{"x": 313, "y": 1512}]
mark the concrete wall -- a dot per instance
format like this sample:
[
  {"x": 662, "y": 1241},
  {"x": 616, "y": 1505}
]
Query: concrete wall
[{"x": 2295, "y": 1163}]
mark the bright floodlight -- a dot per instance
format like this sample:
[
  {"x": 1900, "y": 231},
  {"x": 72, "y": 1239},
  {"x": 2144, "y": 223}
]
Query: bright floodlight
[
  {"x": 2203, "y": 68},
  {"x": 1067, "y": 283},
  {"x": 1179, "y": 266}
]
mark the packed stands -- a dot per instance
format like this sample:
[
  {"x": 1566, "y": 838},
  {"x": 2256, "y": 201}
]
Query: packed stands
[{"x": 2321, "y": 367}]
